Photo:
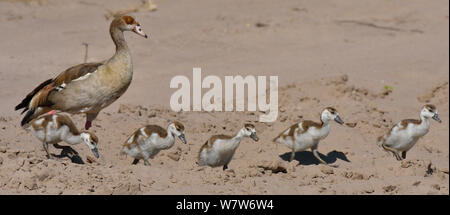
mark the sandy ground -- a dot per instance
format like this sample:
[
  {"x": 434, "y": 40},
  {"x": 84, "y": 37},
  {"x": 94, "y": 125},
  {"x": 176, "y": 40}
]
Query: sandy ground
[{"x": 326, "y": 53}]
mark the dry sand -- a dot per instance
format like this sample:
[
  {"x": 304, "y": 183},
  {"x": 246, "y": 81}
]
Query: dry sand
[{"x": 326, "y": 53}]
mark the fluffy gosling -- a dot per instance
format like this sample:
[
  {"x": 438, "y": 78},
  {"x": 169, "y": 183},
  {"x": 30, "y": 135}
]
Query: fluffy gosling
[
  {"x": 218, "y": 150},
  {"x": 149, "y": 140},
  {"x": 404, "y": 135},
  {"x": 307, "y": 134}
]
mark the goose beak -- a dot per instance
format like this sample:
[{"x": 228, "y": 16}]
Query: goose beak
[
  {"x": 436, "y": 117},
  {"x": 182, "y": 138},
  {"x": 138, "y": 30},
  {"x": 95, "y": 152},
  {"x": 338, "y": 120},
  {"x": 254, "y": 137}
]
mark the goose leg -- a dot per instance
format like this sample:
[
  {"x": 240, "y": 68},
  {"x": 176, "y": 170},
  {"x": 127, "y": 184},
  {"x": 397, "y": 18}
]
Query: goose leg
[
  {"x": 87, "y": 125},
  {"x": 225, "y": 167},
  {"x": 89, "y": 118}
]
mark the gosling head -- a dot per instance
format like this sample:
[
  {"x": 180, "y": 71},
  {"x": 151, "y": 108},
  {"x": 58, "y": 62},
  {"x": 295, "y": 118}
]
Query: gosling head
[
  {"x": 329, "y": 114},
  {"x": 128, "y": 23},
  {"x": 91, "y": 140},
  {"x": 430, "y": 111},
  {"x": 249, "y": 131},
  {"x": 178, "y": 130}
]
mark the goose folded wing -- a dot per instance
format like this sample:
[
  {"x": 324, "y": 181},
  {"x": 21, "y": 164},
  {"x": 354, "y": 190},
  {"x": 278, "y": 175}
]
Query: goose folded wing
[
  {"x": 38, "y": 97},
  {"x": 76, "y": 72},
  {"x": 62, "y": 80}
]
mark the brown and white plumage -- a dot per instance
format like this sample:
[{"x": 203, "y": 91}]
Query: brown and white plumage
[
  {"x": 307, "y": 134},
  {"x": 149, "y": 140},
  {"x": 404, "y": 135},
  {"x": 88, "y": 87},
  {"x": 54, "y": 128},
  {"x": 218, "y": 150}
]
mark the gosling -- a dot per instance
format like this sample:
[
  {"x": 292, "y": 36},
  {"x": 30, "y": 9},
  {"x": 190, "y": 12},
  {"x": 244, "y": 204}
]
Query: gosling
[
  {"x": 307, "y": 134},
  {"x": 218, "y": 150},
  {"x": 54, "y": 128},
  {"x": 149, "y": 140},
  {"x": 404, "y": 135}
]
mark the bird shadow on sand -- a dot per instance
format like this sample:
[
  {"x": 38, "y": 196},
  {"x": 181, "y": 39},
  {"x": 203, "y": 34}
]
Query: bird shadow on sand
[
  {"x": 307, "y": 158},
  {"x": 70, "y": 153}
]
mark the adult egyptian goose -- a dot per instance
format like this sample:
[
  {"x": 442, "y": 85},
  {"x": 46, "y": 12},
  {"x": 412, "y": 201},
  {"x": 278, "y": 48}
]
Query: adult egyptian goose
[
  {"x": 88, "y": 87},
  {"x": 149, "y": 140},
  {"x": 404, "y": 135},
  {"x": 54, "y": 128},
  {"x": 307, "y": 134},
  {"x": 218, "y": 150}
]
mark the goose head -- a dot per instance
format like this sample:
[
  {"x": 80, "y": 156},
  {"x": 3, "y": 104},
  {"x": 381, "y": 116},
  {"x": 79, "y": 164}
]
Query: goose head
[{"x": 128, "y": 23}]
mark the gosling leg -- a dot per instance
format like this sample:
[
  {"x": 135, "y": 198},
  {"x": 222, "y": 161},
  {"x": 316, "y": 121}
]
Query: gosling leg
[
  {"x": 292, "y": 153},
  {"x": 395, "y": 152},
  {"x": 404, "y": 154},
  {"x": 45, "y": 144},
  {"x": 316, "y": 154}
]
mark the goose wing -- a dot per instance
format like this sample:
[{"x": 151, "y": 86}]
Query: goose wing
[{"x": 39, "y": 96}]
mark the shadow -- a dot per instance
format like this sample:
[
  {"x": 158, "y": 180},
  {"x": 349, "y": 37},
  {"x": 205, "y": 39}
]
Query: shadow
[
  {"x": 69, "y": 152},
  {"x": 307, "y": 157}
]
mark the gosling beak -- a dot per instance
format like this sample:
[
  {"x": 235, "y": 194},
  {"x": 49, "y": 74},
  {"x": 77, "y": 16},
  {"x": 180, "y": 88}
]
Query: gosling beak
[
  {"x": 138, "y": 30},
  {"x": 338, "y": 120},
  {"x": 436, "y": 117},
  {"x": 182, "y": 138},
  {"x": 254, "y": 137},
  {"x": 95, "y": 152}
]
